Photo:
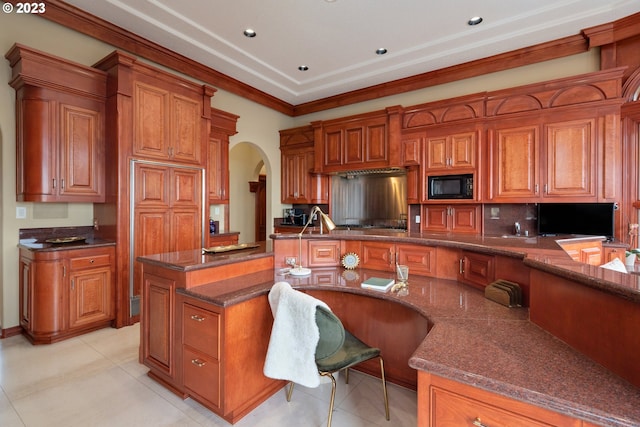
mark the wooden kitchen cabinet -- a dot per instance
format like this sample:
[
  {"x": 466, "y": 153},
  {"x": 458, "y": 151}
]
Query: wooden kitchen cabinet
[
  {"x": 154, "y": 118},
  {"x": 65, "y": 293},
  {"x": 451, "y": 152},
  {"x": 222, "y": 353},
  {"x": 323, "y": 253},
  {"x": 585, "y": 250},
  {"x": 611, "y": 251},
  {"x": 528, "y": 168},
  {"x": 515, "y": 162},
  {"x": 384, "y": 256},
  {"x": 411, "y": 146},
  {"x": 447, "y": 403},
  {"x": 92, "y": 294},
  {"x": 167, "y": 211},
  {"x": 223, "y": 125},
  {"x": 571, "y": 164},
  {"x": 60, "y": 128},
  {"x": 355, "y": 142},
  {"x": 542, "y": 148},
  {"x": 421, "y": 260},
  {"x": 158, "y": 335},
  {"x": 218, "y": 170},
  {"x": 167, "y": 123},
  {"x": 477, "y": 269},
  {"x": 201, "y": 353},
  {"x": 296, "y": 165},
  {"x": 452, "y": 218},
  {"x": 299, "y": 183}
]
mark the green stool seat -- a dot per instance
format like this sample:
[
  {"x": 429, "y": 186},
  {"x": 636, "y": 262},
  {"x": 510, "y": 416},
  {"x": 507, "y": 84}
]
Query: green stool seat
[{"x": 337, "y": 350}]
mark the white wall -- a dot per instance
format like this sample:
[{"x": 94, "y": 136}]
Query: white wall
[{"x": 258, "y": 126}]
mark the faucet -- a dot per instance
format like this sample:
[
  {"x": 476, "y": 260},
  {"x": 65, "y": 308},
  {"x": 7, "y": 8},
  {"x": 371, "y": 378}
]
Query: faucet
[{"x": 516, "y": 227}]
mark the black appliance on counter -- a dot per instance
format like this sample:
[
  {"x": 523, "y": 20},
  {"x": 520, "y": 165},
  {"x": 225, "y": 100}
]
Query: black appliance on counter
[{"x": 294, "y": 216}]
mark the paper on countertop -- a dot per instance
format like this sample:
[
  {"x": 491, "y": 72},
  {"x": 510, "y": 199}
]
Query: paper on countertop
[{"x": 615, "y": 265}]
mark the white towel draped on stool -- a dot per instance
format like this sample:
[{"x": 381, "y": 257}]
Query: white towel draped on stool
[{"x": 294, "y": 336}]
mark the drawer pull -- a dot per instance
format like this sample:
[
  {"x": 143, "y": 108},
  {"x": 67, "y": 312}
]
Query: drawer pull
[
  {"x": 200, "y": 363},
  {"x": 197, "y": 318},
  {"x": 478, "y": 423},
  {"x": 92, "y": 261}
]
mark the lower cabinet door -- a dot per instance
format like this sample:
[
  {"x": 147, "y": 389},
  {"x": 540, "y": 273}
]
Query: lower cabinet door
[
  {"x": 202, "y": 376},
  {"x": 91, "y": 296}
]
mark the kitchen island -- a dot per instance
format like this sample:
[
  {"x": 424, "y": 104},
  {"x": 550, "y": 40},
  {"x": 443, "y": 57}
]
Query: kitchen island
[{"x": 464, "y": 344}]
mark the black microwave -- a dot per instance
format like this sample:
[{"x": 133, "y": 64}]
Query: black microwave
[{"x": 450, "y": 187}]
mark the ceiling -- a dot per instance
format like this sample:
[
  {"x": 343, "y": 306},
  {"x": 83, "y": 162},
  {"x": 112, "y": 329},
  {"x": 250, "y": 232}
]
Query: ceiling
[{"x": 337, "y": 40}]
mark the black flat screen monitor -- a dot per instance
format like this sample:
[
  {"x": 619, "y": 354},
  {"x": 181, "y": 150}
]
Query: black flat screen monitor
[{"x": 592, "y": 219}]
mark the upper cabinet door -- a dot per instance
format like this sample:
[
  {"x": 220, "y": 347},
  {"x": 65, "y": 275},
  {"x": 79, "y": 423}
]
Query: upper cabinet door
[
  {"x": 151, "y": 127},
  {"x": 451, "y": 152},
  {"x": 81, "y": 152},
  {"x": 571, "y": 159},
  {"x": 514, "y": 162},
  {"x": 167, "y": 126},
  {"x": 186, "y": 141}
]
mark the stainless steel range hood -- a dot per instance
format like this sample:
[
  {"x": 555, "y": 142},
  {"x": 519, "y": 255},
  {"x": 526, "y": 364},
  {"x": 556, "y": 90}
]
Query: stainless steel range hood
[{"x": 371, "y": 198}]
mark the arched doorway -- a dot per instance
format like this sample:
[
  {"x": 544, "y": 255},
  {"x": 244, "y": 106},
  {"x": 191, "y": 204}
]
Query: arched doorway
[{"x": 247, "y": 163}]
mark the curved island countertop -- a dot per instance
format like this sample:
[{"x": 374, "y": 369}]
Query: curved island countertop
[{"x": 474, "y": 341}]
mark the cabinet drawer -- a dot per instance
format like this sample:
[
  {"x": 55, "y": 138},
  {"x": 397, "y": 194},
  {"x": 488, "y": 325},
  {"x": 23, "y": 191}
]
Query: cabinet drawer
[
  {"x": 452, "y": 409},
  {"x": 324, "y": 253},
  {"x": 202, "y": 375},
  {"x": 90, "y": 261},
  {"x": 201, "y": 330}
]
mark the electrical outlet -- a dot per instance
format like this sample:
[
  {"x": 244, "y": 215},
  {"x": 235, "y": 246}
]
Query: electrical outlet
[
  {"x": 21, "y": 212},
  {"x": 417, "y": 219},
  {"x": 290, "y": 260}
]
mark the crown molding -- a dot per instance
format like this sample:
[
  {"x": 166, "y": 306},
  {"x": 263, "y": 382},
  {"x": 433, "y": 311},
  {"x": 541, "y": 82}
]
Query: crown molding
[{"x": 85, "y": 23}]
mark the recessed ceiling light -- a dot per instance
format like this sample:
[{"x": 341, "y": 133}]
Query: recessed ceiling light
[
  {"x": 303, "y": 68},
  {"x": 381, "y": 51},
  {"x": 249, "y": 33},
  {"x": 475, "y": 20}
]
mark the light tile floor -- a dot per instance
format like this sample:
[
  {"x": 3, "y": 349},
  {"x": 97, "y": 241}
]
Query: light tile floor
[{"x": 96, "y": 380}]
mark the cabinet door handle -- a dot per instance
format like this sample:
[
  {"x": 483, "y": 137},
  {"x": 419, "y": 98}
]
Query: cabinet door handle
[
  {"x": 461, "y": 265},
  {"x": 64, "y": 271},
  {"x": 62, "y": 183},
  {"x": 197, "y": 318},
  {"x": 546, "y": 189},
  {"x": 54, "y": 183},
  {"x": 73, "y": 284},
  {"x": 535, "y": 189},
  {"x": 478, "y": 423},
  {"x": 199, "y": 363}
]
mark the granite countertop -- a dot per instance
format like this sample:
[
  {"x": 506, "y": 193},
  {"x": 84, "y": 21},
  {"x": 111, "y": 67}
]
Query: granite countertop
[
  {"x": 197, "y": 259},
  {"x": 542, "y": 253},
  {"x": 45, "y": 246},
  {"x": 35, "y": 239},
  {"x": 474, "y": 341}
]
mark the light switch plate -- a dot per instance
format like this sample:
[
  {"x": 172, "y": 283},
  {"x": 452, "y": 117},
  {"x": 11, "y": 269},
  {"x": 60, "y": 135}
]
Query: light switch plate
[{"x": 21, "y": 212}]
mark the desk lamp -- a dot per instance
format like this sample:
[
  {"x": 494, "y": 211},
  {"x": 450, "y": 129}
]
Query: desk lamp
[{"x": 299, "y": 270}]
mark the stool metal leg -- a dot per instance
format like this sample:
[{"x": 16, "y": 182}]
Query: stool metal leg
[
  {"x": 333, "y": 395},
  {"x": 290, "y": 391},
  {"x": 384, "y": 389}
]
